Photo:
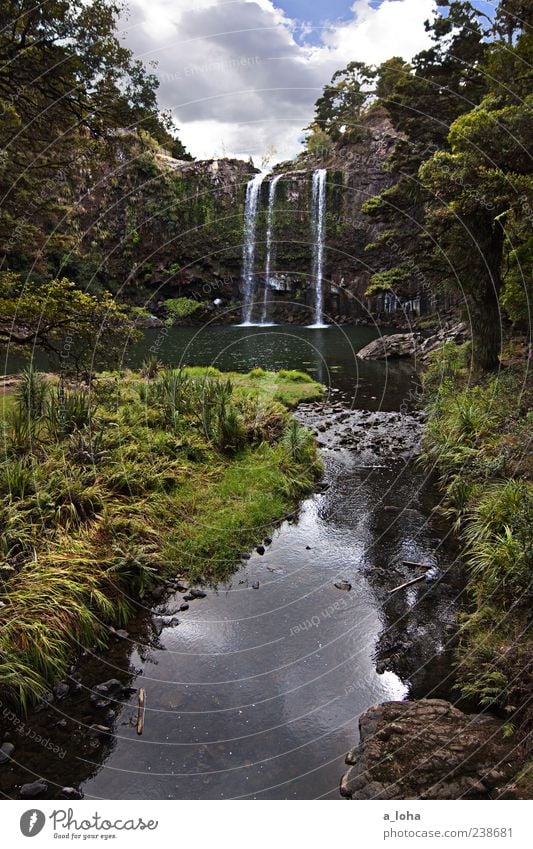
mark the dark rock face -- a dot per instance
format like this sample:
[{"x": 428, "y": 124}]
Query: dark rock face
[{"x": 428, "y": 749}]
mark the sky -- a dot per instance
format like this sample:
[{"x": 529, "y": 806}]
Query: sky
[{"x": 241, "y": 77}]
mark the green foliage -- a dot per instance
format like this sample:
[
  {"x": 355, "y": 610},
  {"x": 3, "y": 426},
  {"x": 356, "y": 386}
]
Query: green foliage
[
  {"x": 182, "y": 307},
  {"x": 66, "y": 410},
  {"x": 293, "y": 376},
  {"x": 79, "y": 329},
  {"x": 31, "y": 393},
  {"x": 476, "y": 438},
  {"x": 151, "y": 367},
  {"x": 68, "y": 89},
  {"x": 338, "y": 110},
  {"x": 395, "y": 278},
  {"x": 459, "y": 209},
  {"x": 299, "y": 442}
]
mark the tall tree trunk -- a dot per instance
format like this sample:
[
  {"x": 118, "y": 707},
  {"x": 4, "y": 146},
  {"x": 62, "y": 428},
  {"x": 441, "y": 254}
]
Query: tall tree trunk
[
  {"x": 486, "y": 331},
  {"x": 484, "y": 302}
]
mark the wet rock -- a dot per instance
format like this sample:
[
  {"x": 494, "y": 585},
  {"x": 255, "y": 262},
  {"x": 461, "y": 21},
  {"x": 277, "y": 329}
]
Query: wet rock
[
  {"x": 260, "y": 549},
  {"x": 428, "y": 749},
  {"x": 256, "y": 585},
  {"x": 161, "y": 622},
  {"x": 70, "y": 793},
  {"x": 343, "y": 585},
  {"x": 61, "y": 691},
  {"x": 149, "y": 322},
  {"x": 6, "y": 751},
  {"x": 111, "y": 689},
  {"x": 184, "y": 606},
  {"x": 245, "y": 556},
  {"x": 33, "y": 790},
  {"x": 267, "y": 541},
  {"x": 188, "y": 597},
  {"x": 198, "y": 593}
]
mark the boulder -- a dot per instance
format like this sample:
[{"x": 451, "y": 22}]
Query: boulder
[
  {"x": 428, "y": 749},
  {"x": 34, "y": 789},
  {"x": 394, "y": 346}
]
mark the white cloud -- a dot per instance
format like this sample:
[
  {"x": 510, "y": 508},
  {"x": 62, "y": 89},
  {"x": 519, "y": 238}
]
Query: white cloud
[{"x": 236, "y": 79}]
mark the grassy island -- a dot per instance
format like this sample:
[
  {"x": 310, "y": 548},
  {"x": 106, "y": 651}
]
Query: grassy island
[{"x": 109, "y": 489}]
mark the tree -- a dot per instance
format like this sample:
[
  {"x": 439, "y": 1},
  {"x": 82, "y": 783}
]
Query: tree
[
  {"x": 67, "y": 85},
  {"x": 81, "y": 330},
  {"x": 478, "y": 191},
  {"x": 339, "y": 108}
]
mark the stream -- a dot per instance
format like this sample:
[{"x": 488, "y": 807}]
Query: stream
[{"x": 255, "y": 691}]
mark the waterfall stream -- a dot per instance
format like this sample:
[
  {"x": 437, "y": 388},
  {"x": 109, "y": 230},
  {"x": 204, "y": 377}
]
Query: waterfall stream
[
  {"x": 270, "y": 248},
  {"x": 253, "y": 195},
  {"x": 319, "y": 235}
]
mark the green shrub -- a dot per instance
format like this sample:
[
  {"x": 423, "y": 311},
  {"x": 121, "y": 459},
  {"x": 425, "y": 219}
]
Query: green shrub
[{"x": 182, "y": 307}]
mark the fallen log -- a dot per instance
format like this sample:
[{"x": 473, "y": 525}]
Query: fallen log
[{"x": 408, "y": 584}]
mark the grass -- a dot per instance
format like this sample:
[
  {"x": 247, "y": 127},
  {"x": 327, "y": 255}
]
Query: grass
[
  {"x": 124, "y": 486},
  {"x": 478, "y": 437}
]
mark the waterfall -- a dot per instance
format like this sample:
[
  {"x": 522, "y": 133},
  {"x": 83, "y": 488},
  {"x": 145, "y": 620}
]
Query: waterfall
[
  {"x": 319, "y": 234},
  {"x": 270, "y": 251},
  {"x": 253, "y": 194}
]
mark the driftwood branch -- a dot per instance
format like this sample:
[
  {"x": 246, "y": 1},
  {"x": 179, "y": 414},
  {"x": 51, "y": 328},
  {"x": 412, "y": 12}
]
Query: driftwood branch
[
  {"x": 140, "y": 710},
  {"x": 408, "y": 584}
]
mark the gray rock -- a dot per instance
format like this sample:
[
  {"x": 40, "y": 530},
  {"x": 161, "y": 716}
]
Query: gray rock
[
  {"x": 394, "y": 346},
  {"x": 71, "y": 793},
  {"x": 111, "y": 689},
  {"x": 343, "y": 585},
  {"x": 161, "y": 622},
  {"x": 6, "y": 750},
  {"x": 61, "y": 691},
  {"x": 428, "y": 749},
  {"x": 34, "y": 789}
]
